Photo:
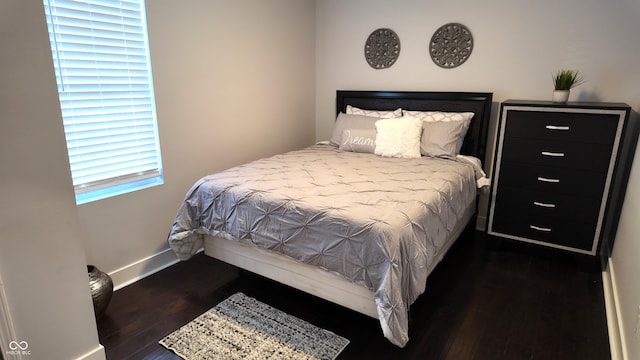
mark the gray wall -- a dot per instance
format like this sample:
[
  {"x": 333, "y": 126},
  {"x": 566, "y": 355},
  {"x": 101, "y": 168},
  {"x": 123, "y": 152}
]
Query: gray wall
[
  {"x": 233, "y": 83},
  {"x": 42, "y": 259}
]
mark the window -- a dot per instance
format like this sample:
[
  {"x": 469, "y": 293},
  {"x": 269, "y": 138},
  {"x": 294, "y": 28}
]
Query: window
[{"x": 103, "y": 70}]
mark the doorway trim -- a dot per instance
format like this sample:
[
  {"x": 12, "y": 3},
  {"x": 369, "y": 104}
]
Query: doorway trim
[{"x": 7, "y": 331}]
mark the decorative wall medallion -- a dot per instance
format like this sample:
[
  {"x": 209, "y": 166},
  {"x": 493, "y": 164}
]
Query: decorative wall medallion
[
  {"x": 451, "y": 45},
  {"x": 382, "y": 48}
]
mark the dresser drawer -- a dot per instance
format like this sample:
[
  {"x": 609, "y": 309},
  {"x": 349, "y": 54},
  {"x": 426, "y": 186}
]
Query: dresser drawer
[
  {"x": 548, "y": 205},
  {"x": 593, "y": 157},
  {"x": 563, "y": 126},
  {"x": 548, "y": 230},
  {"x": 552, "y": 179}
]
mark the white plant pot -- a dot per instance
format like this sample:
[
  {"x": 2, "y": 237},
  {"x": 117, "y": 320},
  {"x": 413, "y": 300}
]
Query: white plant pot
[{"x": 560, "y": 96}]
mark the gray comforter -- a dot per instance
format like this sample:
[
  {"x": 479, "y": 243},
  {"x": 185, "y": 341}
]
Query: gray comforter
[{"x": 376, "y": 221}]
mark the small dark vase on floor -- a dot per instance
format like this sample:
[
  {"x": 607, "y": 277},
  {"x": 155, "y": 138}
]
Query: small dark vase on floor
[{"x": 101, "y": 289}]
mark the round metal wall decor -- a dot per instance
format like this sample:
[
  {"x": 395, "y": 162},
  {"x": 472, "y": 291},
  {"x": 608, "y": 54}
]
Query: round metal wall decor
[
  {"x": 382, "y": 48},
  {"x": 451, "y": 45}
]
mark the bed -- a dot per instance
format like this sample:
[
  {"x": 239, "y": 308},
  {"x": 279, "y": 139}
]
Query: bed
[{"x": 356, "y": 228}]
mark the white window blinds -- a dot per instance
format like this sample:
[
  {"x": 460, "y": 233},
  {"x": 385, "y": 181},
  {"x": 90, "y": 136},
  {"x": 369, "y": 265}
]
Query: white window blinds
[{"x": 103, "y": 70}]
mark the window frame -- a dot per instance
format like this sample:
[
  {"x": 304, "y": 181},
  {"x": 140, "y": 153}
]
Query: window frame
[{"x": 88, "y": 36}]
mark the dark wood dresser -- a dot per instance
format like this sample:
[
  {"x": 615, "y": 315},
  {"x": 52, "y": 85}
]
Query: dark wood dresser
[{"x": 560, "y": 173}]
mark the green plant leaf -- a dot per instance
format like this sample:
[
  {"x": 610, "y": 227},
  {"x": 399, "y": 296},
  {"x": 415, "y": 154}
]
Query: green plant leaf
[{"x": 566, "y": 79}]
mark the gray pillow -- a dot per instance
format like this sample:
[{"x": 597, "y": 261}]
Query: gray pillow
[
  {"x": 358, "y": 140},
  {"x": 347, "y": 121},
  {"x": 442, "y": 138}
]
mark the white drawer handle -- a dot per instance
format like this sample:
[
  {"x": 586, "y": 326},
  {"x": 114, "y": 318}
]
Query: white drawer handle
[
  {"x": 546, "y": 205},
  {"x": 554, "y": 154},
  {"x": 543, "y": 179},
  {"x": 556, "y": 127},
  {"x": 540, "y": 228}
]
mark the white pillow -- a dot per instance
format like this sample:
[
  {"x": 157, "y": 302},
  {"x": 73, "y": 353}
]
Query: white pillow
[
  {"x": 439, "y": 115},
  {"x": 398, "y": 137},
  {"x": 384, "y": 114}
]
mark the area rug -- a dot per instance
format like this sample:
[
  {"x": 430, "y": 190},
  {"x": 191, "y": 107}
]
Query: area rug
[{"x": 242, "y": 327}]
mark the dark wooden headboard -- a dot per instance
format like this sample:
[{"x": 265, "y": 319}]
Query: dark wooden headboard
[{"x": 475, "y": 142}]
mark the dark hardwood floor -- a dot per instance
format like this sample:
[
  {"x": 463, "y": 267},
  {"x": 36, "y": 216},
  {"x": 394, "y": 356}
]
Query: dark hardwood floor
[{"x": 479, "y": 304}]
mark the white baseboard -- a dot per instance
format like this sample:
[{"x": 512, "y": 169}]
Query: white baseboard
[
  {"x": 96, "y": 354},
  {"x": 612, "y": 305},
  {"x": 142, "y": 268}
]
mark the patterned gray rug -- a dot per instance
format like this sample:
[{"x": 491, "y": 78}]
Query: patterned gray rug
[{"x": 241, "y": 327}]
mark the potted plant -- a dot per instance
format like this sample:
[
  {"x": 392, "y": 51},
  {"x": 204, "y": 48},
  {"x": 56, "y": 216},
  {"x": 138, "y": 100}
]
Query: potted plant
[{"x": 563, "y": 81}]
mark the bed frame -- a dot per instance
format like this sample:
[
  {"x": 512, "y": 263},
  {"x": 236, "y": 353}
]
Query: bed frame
[{"x": 331, "y": 286}]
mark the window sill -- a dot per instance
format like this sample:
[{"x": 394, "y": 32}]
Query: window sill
[{"x": 119, "y": 189}]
